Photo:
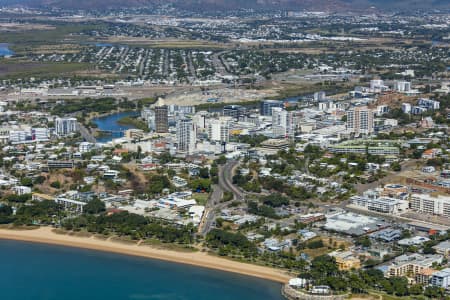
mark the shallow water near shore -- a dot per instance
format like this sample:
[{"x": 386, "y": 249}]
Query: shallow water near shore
[{"x": 45, "y": 272}]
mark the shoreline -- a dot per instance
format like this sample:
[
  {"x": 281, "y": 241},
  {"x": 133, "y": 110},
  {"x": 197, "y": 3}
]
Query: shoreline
[{"x": 45, "y": 235}]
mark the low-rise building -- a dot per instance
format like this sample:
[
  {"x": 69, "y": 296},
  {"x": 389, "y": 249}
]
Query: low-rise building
[
  {"x": 424, "y": 203},
  {"x": 345, "y": 260},
  {"x": 21, "y": 190},
  {"x": 443, "y": 248},
  {"x": 382, "y": 204},
  {"x": 411, "y": 265},
  {"x": 441, "y": 279},
  {"x": 424, "y": 276}
]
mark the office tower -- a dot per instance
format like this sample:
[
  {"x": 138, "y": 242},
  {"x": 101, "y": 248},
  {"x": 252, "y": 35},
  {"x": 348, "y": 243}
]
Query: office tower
[
  {"x": 234, "y": 111},
  {"x": 162, "y": 119},
  {"x": 320, "y": 96},
  {"x": 267, "y": 105}
]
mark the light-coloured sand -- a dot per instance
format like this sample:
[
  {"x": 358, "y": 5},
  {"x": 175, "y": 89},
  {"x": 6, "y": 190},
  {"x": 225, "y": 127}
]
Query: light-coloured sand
[{"x": 47, "y": 236}]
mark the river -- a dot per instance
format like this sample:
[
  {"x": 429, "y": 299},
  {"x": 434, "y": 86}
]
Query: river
[
  {"x": 110, "y": 123},
  {"x": 5, "y": 51}
]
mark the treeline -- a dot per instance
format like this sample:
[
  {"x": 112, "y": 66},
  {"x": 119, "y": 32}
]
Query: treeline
[
  {"x": 87, "y": 105},
  {"x": 35, "y": 212},
  {"x": 228, "y": 242},
  {"x": 131, "y": 225},
  {"x": 324, "y": 271}
]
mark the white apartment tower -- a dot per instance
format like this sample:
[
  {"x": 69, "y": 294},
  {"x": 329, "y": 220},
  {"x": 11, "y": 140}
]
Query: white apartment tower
[
  {"x": 65, "y": 126},
  {"x": 283, "y": 123},
  {"x": 219, "y": 129},
  {"x": 186, "y": 135},
  {"x": 360, "y": 121}
]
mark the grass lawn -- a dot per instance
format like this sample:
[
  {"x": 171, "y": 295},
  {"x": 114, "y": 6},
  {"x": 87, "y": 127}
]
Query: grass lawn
[
  {"x": 201, "y": 198},
  {"x": 17, "y": 68}
]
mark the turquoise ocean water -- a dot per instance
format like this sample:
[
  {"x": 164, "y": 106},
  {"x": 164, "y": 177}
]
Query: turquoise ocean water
[{"x": 43, "y": 272}]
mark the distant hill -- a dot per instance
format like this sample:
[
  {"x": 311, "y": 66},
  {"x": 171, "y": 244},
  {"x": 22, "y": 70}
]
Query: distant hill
[{"x": 211, "y": 5}]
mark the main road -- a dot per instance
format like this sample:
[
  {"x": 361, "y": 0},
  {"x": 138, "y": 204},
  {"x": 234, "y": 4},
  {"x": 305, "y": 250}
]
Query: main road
[
  {"x": 226, "y": 179},
  {"x": 86, "y": 134},
  {"x": 211, "y": 207},
  {"x": 215, "y": 203}
]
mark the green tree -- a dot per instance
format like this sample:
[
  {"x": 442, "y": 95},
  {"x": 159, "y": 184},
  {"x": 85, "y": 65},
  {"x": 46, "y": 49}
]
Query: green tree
[
  {"x": 95, "y": 206},
  {"x": 434, "y": 292},
  {"x": 204, "y": 172},
  {"x": 399, "y": 285},
  {"x": 221, "y": 160},
  {"x": 363, "y": 241},
  {"x": 55, "y": 185},
  {"x": 200, "y": 184},
  {"x": 396, "y": 167},
  {"x": 416, "y": 289},
  {"x": 323, "y": 266},
  {"x": 26, "y": 181},
  {"x": 5, "y": 210},
  {"x": 158, "y": 183}
]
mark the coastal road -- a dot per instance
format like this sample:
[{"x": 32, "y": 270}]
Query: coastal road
[
  {"x": 214, "y": 204},
  {"x": 210, "y": 210},
  {"x": 226, "y": 179}
]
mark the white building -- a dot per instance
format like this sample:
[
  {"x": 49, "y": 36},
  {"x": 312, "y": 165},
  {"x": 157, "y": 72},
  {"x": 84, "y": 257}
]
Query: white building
[
  {"x": 40, "y": 134},
  {"x": 18, "y": 136},
  {"x": 402, "y": 86},
  {"x": 149, "y": 116},
  {"x": 283, "y": 122},
  {"x": 441, "y": 279},
  {"x": 406, "y": 108},
  {"x": 85, "y": 147},
  {"x": 186, "y": 135},
  {"x": 429, "y": 104},
  {"x": 382, "y": 109},
  {"x": 382, "y": 204},
  {"x": 327, "y": 105},
  {"x": 378, "y": 86},
  {"x": 21, "y": 190},
  {"x": 219, "y": 129},
  {"x": 427, "y": 204},
  {"x": 65, "y": 126}
]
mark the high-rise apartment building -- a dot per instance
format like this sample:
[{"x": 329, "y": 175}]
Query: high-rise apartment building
[
  {"x": 65, "y": 126},
  {"x": 186, "y": 135},
  {"x": 284, "y": 123},
  {"x": 219, "y": 129},
  {"x": 360, "y": 120}
]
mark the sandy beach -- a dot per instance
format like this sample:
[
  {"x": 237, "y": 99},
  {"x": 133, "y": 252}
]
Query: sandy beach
[{"x": 47, "y": 236}]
